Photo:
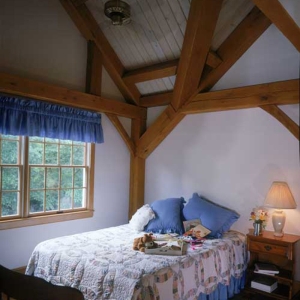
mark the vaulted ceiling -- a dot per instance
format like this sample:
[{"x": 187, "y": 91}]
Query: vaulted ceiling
[{"x": 171, "y": 53}]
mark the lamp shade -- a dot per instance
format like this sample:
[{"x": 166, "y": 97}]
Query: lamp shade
[{"x": 280, "y": 196}]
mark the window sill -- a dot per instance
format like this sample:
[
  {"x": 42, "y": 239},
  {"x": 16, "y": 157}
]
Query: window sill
[{"x": 39, "y": 220}]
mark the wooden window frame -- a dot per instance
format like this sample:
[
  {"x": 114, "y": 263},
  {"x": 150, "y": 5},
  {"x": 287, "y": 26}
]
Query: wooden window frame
[{"x": 25, "y": 219}]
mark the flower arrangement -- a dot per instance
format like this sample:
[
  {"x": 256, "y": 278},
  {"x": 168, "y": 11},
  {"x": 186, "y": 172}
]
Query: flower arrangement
[{"x": 258, "y": 215}]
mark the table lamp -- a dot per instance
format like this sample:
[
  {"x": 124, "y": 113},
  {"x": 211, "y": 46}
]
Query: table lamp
[{"x": 279, "y": 197}]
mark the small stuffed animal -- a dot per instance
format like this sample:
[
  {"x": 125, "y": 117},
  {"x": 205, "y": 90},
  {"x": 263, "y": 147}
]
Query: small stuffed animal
[{"x": 143, "y": 242}]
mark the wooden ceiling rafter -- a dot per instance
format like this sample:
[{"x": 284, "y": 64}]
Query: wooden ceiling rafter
[
  {"x": 201, "y": 23},
  {"x": 283, "y": 118},
  {"x": 236, "y": 44},
  {"x": 89, "y": 28},
  {"x": 274, "y": 10},
  {"x": 16, "y": 85}
]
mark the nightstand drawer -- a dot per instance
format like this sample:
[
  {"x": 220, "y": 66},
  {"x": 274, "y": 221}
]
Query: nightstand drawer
[{"x": 268, "y": 248}]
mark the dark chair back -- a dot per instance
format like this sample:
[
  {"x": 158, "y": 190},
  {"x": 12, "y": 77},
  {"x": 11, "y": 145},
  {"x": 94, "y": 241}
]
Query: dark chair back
[{"x": 14, "y": 285}]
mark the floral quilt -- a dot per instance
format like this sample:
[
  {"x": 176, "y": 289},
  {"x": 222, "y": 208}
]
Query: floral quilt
[{"x": 102, "y": 265}]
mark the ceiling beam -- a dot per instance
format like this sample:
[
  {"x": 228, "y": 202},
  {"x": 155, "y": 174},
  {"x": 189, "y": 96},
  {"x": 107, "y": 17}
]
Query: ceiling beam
[
  {"x": 16, "y": 85},
  {"x": 79, "y": 2},
  {"x": 281, "y": 19},
  {"x": 164, "y": 69},
  {"x": 89, "y": 28},
  {"x": 279, "y": 93},
  {"x": 201, "y": 23},
  {"x": 160, "y": 99},
  {"x": 238, "y": 42},
  {"x": 284, "y": 119}
]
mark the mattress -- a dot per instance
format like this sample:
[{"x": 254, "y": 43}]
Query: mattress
[{"x": 102, "y": 265}]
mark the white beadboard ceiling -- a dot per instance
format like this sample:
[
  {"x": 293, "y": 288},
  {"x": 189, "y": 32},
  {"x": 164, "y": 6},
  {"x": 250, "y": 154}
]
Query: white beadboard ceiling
[{"x": 156, "y": 33}]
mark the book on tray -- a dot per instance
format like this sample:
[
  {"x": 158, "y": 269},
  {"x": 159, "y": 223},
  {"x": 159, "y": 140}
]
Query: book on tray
[
  {"x": 265, "y": 268},
  {"x": 264, "y": 283}
]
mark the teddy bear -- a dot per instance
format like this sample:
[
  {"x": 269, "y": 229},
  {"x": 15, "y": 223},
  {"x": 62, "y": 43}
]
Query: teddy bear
[{"x": 146, "y": 241}]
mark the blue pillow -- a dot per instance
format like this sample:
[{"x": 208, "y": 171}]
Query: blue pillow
[
  {"x": 168, "y": 216},
  {"x": 216, "y": 218}
]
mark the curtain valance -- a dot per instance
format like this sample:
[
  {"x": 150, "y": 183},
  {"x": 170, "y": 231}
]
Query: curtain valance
[{"x": 36, "y": 118}]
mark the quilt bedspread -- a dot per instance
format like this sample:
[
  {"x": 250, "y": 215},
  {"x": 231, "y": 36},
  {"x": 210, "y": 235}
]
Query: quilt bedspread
[{"x": 103, "y": 267}]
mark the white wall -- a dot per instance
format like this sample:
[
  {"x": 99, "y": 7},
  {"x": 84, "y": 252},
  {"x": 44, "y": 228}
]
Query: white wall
[
  {"x": 38, "y": 40},
  {"x": 233, "y": 157}
]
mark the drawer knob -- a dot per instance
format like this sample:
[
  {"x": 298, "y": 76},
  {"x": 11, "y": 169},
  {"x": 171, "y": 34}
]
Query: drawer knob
[{"x": 268, "y": 248}]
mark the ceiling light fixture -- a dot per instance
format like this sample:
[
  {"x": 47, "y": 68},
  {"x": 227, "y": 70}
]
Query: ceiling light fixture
[{"x": 118, "y": 11}]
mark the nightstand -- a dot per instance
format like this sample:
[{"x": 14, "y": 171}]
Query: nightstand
[{"x": 284, "y": 252}]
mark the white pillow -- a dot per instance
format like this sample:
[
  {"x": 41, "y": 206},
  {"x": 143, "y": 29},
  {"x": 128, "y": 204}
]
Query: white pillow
[{"x": 142, "y": 217}]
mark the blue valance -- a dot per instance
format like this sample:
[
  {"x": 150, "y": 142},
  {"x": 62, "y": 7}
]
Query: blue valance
[{"x": 36, "y": 118}]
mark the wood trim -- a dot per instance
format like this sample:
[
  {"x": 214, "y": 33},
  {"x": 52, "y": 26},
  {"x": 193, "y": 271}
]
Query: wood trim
[
  {"x": 284, "y": 119},
  {"x": 165, "y": 69},
  {"x": 16, "y": 85},
  {"x": 156, "y": 99},
  {"x": 274, "y": 10},
  {"x": 89, "y": 28},
  {"x": 201, "y": 23},
  {"x": 120, "y": 128},
  {"x": 238, "y": 42}
]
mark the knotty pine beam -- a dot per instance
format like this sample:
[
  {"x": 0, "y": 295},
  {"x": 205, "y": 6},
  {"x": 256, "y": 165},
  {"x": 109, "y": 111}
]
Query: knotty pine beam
[
  {"x": 165, "y": 69},
  {"x": 281, "y": 19},
  {"x": 238, "y": 42},
  {"x": 160, "y": 99},
  {"x": 201, "y": 23},
  {"x": 89, "y": 28},
  {"x": 279, "y": 93},
  {"x": 79, "y": 2},
  {"x": 94, "y": 86},
  {"x": 16, "y": 85},
  {"x": 284, "y": 119}
]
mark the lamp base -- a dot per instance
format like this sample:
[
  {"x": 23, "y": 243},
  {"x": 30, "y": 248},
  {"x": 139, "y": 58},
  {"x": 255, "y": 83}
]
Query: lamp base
[{"x": 278, "y": 220}]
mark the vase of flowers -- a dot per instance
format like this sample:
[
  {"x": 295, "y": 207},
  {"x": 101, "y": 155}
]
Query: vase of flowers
[{"x": 259, "y": 218}]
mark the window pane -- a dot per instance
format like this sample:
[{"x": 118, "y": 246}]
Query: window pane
[
  {"x": 10, "y": 137},
  {"x": 9, "y": 152},
  {"x": 10, "y": 178},
  {"x": 66, "y": 199},
  {"x": 65, "y": 155},
  {"x": 36, "y": 153},
  {"x": 52, "y": 178},
  {"x": 79, "y": 178},
  {"x": 52, "y": 200},
  {"x": 36, "y": 139},
  {"x": 78, "y": 156},
  {"x": 37, "y": 178},
  {"x": 68, "y": 142},
  {"x": 36, "y": 201},
  {"x": 67, "y": 177},
  {"x": 79, "y": 198},
  {"x": 51, "y": 151},
  {"x": 9, "y": 203},
  {"x": 48, "y": 140}
]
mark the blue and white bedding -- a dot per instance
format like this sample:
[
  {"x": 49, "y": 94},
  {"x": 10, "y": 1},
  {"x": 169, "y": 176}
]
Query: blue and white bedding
[{"x": 102, "y": 265}]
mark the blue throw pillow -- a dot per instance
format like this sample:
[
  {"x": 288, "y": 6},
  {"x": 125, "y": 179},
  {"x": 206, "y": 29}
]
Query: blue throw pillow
[
  {"x": 168, "y": 216},
  {"x": 216, "y": 218}
]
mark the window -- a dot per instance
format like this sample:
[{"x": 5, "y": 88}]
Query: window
[{"x": 44, "y": 180}]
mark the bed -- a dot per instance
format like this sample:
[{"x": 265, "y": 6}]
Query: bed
[{"x": 103, "y": 265}]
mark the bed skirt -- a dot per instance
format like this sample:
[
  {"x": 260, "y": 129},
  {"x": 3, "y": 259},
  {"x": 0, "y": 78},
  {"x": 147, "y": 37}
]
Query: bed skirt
[{"x": 224, "y": 292}]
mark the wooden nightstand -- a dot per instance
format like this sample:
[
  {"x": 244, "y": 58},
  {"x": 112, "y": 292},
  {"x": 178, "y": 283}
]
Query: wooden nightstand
[{"x": 284, "y": 252}]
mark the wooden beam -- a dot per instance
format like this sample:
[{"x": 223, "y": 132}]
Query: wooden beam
[
  {"x": 16, "y": 85},
  {"x": 238, "y": 42},
  {"x": 160, "y": 99},
  {"x": 137, "y": 170},
  {"x": 158, "y": 131},
  {"x": 284, "y": 119},
  {"x": 281, "y": 19},
  {"x": 79, "y": 2},
  {"x": 89, "y": 28},
  {"x": 94, "y": 86},
  {"x": 281, "y": 92},
  {"x": 164, "y": 69},
  {"x": 201, "y": 23}
]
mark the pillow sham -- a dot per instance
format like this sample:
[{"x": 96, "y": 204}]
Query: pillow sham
[
  {"x": 168, "y": 216},
  {"x": 218, "y": 219},
  {"x": 141, "y": 217}
]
